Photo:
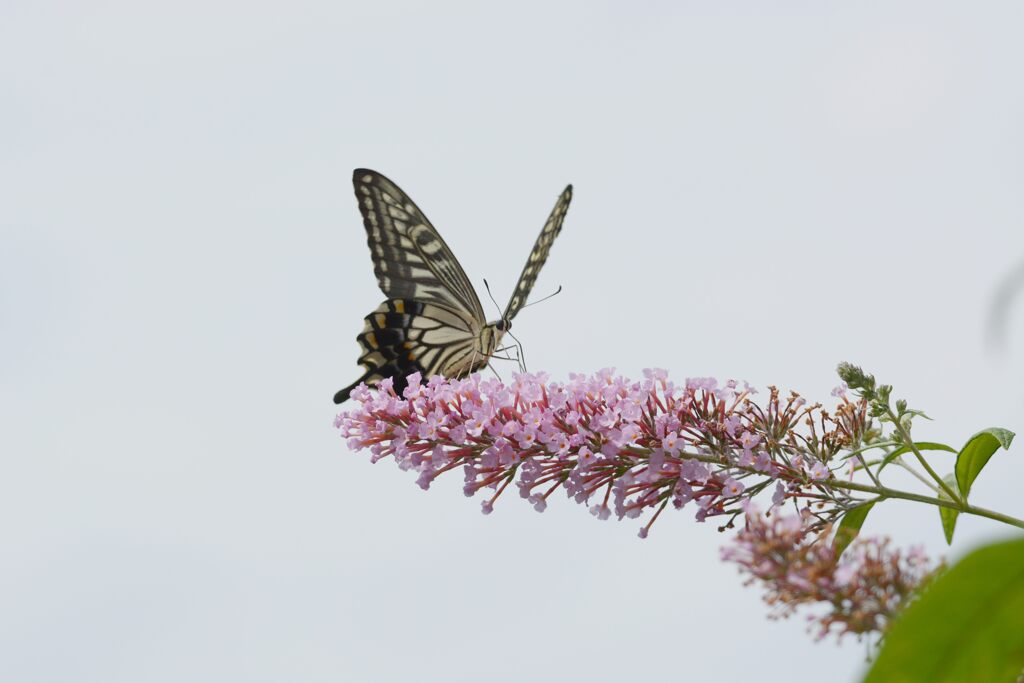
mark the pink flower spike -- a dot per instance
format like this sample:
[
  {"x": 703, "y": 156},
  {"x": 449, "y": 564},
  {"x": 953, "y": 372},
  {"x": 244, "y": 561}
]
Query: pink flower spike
[
  {"x": 639, "y": 445},
  {"x": 857, "y": 595}
]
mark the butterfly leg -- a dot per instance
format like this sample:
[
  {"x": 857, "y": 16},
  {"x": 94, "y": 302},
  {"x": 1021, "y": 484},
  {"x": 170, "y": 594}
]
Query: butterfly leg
[
  {"x": 520, "y": 353},
  {"x": 490, "y": 366},
  {"x": 505, "y": 350}
]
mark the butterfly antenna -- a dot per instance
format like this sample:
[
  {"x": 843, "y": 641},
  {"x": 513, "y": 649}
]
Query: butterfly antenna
[
  {"x": 488, "y": 288},
  {"x": 555, "y": 293},
  {"x": 520, "y": 351}
]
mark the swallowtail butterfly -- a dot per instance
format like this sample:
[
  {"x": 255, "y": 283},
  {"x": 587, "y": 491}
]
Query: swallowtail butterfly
[{"x": 432, "y": 321}]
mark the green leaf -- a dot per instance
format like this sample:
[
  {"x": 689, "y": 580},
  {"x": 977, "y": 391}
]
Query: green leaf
[
  {"x": 975, "y": 454},
  {"x": 849, "y": 527},
  {"x": 920, "y": 445},
  {"x": 967, "y": 626},
  {"x": 948, "y": 515}
]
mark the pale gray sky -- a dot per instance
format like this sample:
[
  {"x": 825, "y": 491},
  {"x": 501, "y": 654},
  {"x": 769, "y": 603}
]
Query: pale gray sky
[{"x": 760, "y": 193}]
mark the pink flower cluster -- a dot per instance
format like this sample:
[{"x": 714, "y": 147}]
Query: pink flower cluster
[
  {"x": 797, "y": 566},
  {"x": 617, "y": 445}
]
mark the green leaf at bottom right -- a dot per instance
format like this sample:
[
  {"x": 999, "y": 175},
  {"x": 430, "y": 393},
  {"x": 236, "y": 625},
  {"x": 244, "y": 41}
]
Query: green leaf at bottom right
[{"x": 967, "y": 626}]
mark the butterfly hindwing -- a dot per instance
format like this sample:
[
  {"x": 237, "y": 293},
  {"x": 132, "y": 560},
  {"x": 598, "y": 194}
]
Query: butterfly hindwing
[
  {"x": 410, "y": 259},
  {"x": 539, "y": 254},
  {"x": 404, "y": 336}
]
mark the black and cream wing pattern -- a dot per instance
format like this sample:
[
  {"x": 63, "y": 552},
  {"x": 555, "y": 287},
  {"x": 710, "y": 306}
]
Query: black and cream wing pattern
[{"x": 432, "y": 321}]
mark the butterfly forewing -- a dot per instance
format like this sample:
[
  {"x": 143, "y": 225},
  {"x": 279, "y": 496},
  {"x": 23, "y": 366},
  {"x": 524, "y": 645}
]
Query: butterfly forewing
[
  {"x": 539, "y": 254},
  {"x": 410, "y": 259}
]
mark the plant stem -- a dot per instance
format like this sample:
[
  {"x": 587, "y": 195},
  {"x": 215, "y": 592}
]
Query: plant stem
[
  {"x": 905, "y": 436},
  {"x": 882, "y": 491},
  {"x": 871, "y": 474},
  {"x": 887, "y": 492},
  {"x": 920, "y": 477}
]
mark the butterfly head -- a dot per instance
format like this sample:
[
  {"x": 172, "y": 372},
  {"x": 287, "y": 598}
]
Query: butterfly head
[{"x": 503, "y": 325}]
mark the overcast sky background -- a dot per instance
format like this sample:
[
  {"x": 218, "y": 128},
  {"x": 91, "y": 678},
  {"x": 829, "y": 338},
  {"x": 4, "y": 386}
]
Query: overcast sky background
[{"x": 759, "y": 195}]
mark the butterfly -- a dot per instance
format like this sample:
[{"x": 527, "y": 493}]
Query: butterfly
[{"x": 432, "y": 321}]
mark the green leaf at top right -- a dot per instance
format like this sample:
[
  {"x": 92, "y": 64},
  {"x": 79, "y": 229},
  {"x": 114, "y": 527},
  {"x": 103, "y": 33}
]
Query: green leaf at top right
[{"x": 976, "y": 453}]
